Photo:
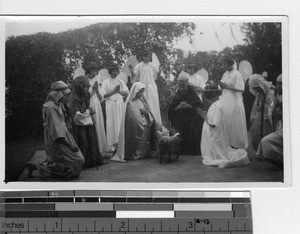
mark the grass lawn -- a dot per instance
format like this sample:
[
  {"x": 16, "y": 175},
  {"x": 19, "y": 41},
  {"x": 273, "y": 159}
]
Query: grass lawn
[{"x": 18, "y": 153}]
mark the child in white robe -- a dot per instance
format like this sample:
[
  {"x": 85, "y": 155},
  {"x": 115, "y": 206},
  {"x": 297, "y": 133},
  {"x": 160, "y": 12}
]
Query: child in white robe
[
  {"x": 114, "y": 90},
  {"x": 146, "y": 73},
  {"x": 95, "y": 103},
  {"x": 215, "y": 148}
]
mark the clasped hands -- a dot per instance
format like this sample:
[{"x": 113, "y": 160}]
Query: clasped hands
[{"x": 183, "y": 105}]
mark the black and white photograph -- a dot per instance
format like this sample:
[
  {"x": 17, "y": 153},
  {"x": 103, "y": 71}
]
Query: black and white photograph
[{"x": 193, "y": 99}]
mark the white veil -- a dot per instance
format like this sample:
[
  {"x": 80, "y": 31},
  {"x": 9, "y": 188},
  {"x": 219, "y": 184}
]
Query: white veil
[{"x": 120, "y": 154}]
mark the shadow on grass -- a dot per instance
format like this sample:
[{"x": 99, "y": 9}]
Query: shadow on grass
[{"x": 18, "y": 153}]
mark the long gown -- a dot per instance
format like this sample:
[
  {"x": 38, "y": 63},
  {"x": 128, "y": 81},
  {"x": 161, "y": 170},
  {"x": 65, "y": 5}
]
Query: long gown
[
  {"x": 214, "y": 143},
  {"x": 256, "y": 115},
  {"x": 61, "y": 161},
  {"x": 134, "y": 139},
  {"x": 98, "y": 117},
  {"x": 234, "y": 112},
  {"x": 271, "y": 147},
  {"x": 114, "y": 110},
  {"x": 187, "y": 122},
  {"x": 146, "y": 73}
]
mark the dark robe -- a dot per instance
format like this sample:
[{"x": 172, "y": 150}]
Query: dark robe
[
  {"x": 248, "y": 99},
  {"x": 187, "y": 122},
  {"x": 85, "y": 136}
]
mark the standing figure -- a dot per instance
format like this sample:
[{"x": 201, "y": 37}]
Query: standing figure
[
  {"x": 82, "y": 123},
  {"x": 275, "y": 109},
  {"x": 184, "y": 118},
  {"x": 196, "y": 80},
  {"x": 233, "y": 86},
  {"x": 114, "y": 90},
  {"x": 264, "y": 96},
  {"x": 64, "y": 159},
  {"x": 146, "y": 73},
  {"x": 215, "y": 147},
  {"x": 134, "y": 138},
  {"x": 95, "y": 103}
]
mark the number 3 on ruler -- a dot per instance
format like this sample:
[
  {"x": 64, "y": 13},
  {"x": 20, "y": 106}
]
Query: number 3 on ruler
[{"x": 191, "y": 225}]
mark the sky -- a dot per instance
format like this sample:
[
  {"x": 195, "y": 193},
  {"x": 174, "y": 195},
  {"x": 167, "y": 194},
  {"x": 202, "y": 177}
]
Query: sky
[{"x": 209, "y": 34}]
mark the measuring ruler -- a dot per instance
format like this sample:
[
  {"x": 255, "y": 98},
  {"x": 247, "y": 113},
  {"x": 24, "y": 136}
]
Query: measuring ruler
[{"x": 125, "y": 212}]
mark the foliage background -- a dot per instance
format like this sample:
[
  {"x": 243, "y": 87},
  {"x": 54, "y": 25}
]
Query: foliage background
[{"x": 34, "y": 61}]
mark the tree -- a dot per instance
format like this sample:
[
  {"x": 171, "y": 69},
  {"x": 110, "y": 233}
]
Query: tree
[
  {"x": 264, "y": 47},
  {"x": 33, "y": 62}
]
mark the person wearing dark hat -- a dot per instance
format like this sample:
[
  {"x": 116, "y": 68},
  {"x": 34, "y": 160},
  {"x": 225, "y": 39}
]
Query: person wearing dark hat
[
  {"x": 146, "y": 73},
  {"x": 95, "y": 103},
  {"x": 233, "y": 86},
  {"x": 114, "y": 91},
  {"x": 64, "y": 159},
  {"x": 215, "y": 147},
  {"x": 195, "y": 79}
]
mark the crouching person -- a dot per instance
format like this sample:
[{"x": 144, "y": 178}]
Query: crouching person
[
  {"x": 215, "y": 147},
  {"x": 64, "y": 159}
]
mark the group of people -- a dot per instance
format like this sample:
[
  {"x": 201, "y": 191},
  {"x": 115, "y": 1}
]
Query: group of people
[{"x": 80, "y": 131}]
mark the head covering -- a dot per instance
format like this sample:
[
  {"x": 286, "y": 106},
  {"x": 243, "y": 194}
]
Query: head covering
[
  {"x": 78, "y": 88},
  {"x": 91, "y": 66},
  {"x": 112, "y": 67},
  {"x": 189, "y": 64},
  {"x": 279, "y": 78},
  {"x": 257, "y": 80},
  {"x": 228, "y": 58},
  {"x": 120, "y": 154},
  {"x": 145, "y": 53},
  {"x": 212, "y": 91},
  {"x": 136, "y": 87},
  {"x": 57, "y": 91},
  {"x": 183, "y": 76}
]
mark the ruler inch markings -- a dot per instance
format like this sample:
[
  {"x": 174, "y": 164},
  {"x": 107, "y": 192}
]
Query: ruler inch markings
[{"x": 222, "y": 220}]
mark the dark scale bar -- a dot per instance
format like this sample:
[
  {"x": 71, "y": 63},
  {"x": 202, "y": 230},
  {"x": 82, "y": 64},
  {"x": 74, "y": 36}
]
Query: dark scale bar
[
  {"x": 16, "y": 207},
  {"x": 113, "y": 199},
  {"x": 30, "y": 214},
  {"x": 60, "y": 199},
  {"x": 82, "y": 214},
  {"x": 13, "y": 200},
  {"x": 25, "y": 194},
  {"x": 139, "y": 199},
  {"x": 86, "y": 199},
  {"x": 240, "y": 200},
  {"x": 204, "y": 200},
  {"x": 35, "y": 199},
  {"x": 165, "y": 199}
]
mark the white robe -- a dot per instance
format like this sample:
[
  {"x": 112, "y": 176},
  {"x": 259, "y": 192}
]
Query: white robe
[
  {"x": 146, "y": 73},
  {"x": 214, "y": 144},
  {"x": 198, "y": 81},
  {"x": 98, "y": 117},
  {"x": 114, "y": 110},
  {"x": 234, "y": 112}
]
